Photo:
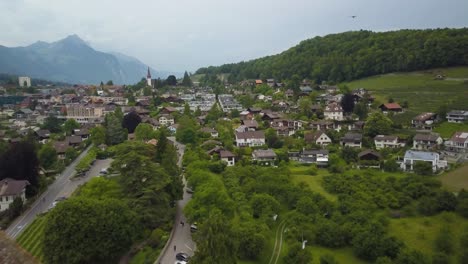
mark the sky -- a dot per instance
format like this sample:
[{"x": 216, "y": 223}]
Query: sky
[{"x": 179, "y": 35}]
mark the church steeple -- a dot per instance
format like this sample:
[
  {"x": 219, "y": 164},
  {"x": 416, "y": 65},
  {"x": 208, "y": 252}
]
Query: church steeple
[{"x": 148, "y": 78}]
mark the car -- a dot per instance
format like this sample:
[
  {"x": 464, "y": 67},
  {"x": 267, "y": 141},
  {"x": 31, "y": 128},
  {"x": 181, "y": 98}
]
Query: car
[
  {"x": 193, "y": 228},
  {"x": 103, "y": 171},
  {"x": 182, "y": 256},
  {"x": 181, "y": 262},
  {"x": 62, "y": 198}
]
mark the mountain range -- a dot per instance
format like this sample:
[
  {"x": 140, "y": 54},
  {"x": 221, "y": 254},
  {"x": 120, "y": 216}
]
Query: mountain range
[{"x": 72, "y": 60}]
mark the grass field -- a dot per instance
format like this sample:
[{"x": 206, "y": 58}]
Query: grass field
[
  {"x": 447, "y": 129},
  {"x": 422, "y": 92},
  {"x": 457, "y": 179},
  {"x": 420, "y": 232},
  {"x": 31, "y": 238},
  {"x": 300, "y": 174}
]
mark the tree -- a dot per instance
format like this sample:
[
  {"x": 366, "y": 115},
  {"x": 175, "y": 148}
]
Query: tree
[
  {"x": 110, "y": 83},
  {"x": 361, "y": 110},
  {"x": 131, "y": 121},
  {"x": 186, "y": 81},
  {"x": 440, "y": 258},
  {"x": 251, "y": 240},
  {"x": 444, "y": 241},
  {"x": 187, "y": 111},
  {"x": 69, "y": 237},
  {"x": 47, "y": 156},
  {"x": 144, "y": 132},
  {"x": 408, "y": 256},
  {"x": 53, "y": 124},
  {"x": 422, "y": 168},
  {"x": 161, "y": 146},
  {"x": 20, "y": 162},
  {"x": 347, "y": 102},
  {"x": 264, "y": 205},
  {"x": 171, "y": 80},
  {"x": 298, "y": 255},
  {"x": 215, "y": 243},
  {"x": 70, "y": 125},
  {"x": 115, "y": 134},
  {"x": 328, "y": 259},
  {"x": 377, "y": 124},
  {"x": 98, "y": 135},
  {"x": 463, "y": 259},
  {"x": 15, "y": 208}
]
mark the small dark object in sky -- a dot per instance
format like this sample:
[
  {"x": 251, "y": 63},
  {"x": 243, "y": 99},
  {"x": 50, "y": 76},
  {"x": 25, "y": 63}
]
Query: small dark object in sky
[{"x": 353, "y": 16}]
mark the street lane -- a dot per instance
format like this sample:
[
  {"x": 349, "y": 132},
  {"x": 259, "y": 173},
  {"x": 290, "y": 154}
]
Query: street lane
[
  {"x": 182, "y": 237},
  {"x": 63, "y": 185}
]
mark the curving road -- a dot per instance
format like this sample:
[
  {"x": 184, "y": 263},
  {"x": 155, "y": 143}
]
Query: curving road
[
  {"x": 181, "y": 237},
  {"x": 63, "y": 186}
]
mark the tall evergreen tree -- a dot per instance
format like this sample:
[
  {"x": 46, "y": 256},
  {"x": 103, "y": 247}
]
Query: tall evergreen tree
[{"x": 187, "y": 81}]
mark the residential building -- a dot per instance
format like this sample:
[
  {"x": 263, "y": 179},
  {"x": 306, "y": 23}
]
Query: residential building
[
  {"x": 313, "y": 156},
  {"x": 322, "y": 125},
  {"x": 333, "y": 111},
  {"x": 266, "y": 157},
  {"x": 250, "y": 125},
  {"x": 228, "y": 103},
  {"x": 424, "y": 121},
  {"x": 427, "y": 141},
  {"x": 85, "y": 114},
  {"x": 384, "y": 141},
  {"x": 391, "y": 107},
  {"x": 318, "y": 138},
  {"x": 227, "y": 157},
  {"x": 411, "y": 157},
  {"x": 458, "y": 142},
  {"x": 457, "y": 116},
  {"x": 369, "y": 158},
  {"x": 24, "y": 81},
  {"x": 352, "y": 140},
  {"x": 166, "y": 120},
  {"x": 211, "y": 131},
  {"x": 11, "y": 189},
  {"x": 250, "y": 139}
]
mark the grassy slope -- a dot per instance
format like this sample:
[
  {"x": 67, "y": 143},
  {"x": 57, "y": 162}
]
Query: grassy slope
[
  {"x": 31, "y": 238},
  {"x": 420, "y": 89},
  {"x": 457, "y": 179},
  {"x": 447, "y": 129}
]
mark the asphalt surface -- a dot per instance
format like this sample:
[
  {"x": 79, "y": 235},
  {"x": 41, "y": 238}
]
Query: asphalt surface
[
  {"x": 181, "y": 240},
  {"x": 63, "y": 186}
]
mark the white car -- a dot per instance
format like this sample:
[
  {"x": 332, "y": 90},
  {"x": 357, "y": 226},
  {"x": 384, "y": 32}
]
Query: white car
[{"x": 180, "y": 262}]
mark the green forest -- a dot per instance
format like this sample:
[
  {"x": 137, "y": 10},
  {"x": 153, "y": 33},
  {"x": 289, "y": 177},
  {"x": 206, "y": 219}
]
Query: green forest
[{"x": 355, "y": 54}]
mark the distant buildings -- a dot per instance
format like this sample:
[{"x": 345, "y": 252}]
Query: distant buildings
[
  {"x": 85, "y": 114},
  {"x": 411, "y": 157},
  {"x": 457, "y": 116},
  {"x": 24, "y": 81}
]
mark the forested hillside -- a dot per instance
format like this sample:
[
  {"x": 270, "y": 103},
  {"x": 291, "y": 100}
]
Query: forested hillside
[{"x": 352, "y": 55}]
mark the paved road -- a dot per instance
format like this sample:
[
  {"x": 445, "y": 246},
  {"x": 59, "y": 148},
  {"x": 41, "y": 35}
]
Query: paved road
[
  {"x": 62, "y": 186},
  {"x": 181, "y": 238}
]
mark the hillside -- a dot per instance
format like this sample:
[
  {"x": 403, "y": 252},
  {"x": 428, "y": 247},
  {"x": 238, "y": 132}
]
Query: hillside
[
  {"x": 357, "y": 54},
  {"x": 70, "y": 60}
]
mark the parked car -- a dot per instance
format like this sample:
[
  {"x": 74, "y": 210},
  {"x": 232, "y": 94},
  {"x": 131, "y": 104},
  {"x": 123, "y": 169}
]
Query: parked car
[
  {"x": 103, "y": 171},
  {"x": 182, "y": 256},
  {"x": 193, "y": 228}
]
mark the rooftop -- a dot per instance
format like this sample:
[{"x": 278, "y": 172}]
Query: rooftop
[
  {"x": 10, "y": 186},
  {"x": 420, "y": 155}
]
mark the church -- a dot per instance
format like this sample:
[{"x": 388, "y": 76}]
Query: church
[{"x": 150, "y": 82}]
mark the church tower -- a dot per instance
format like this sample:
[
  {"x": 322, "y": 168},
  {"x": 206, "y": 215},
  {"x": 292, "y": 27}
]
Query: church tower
[{"x": 148, "y": 78}]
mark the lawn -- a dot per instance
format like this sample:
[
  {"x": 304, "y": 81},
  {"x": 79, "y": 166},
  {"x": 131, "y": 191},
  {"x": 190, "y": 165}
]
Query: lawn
[
  {"x": 447, "y": 129},
  {"x": 457, "y": 179},
  {"x": 31, "y": 238},
  {"x": 300, "y": 174},
  {"x": 422, "y": 92},
  {"x": 420, "y": 232}
]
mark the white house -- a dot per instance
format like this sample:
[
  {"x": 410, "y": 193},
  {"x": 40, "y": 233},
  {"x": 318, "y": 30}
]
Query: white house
[
  {"x": 318, "y": 137},
  {"x": 457, "y": 116},
  {"x": 228, "y": 157},
  {"x": 333, "y": 111},
  {"x": 166, "y": 120},
  {"x": 264, "y": 156},
  {"x": 383, "y": 141},
  {"x": 458, "y": 142},
  {"x": 411, "y": 157},
  {"x": 250, "y": 139},
  {"x": 427, "y": 141},
  {"x": 211, "y": 131},
  {"x": 352, "y": 140},
  {"x": 11, "y": 189}
]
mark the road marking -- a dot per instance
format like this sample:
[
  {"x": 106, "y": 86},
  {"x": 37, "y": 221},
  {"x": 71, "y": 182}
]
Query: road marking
[{"x": 188, "y": 247}]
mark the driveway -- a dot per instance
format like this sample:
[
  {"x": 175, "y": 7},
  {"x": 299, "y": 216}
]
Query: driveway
[
  {"x": 63, "y": 185},
  {"x": 181, "y": 237}
]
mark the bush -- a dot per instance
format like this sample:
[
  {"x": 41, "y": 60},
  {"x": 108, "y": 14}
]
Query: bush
[
  {"x": 312, "y": 170},
  {"x": 328, "y": 259},
  {"x": 156, "y": 237}
]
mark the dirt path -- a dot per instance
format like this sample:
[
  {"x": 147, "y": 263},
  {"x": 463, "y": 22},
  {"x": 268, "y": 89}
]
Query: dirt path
[{"x": 278, "y": 243}]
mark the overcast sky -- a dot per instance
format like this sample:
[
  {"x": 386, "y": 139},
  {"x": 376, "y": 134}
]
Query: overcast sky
[{"x": 180, "y": 35}]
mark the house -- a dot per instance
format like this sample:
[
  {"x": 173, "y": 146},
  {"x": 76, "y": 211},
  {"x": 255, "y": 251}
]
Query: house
[
  {"x": 369, "y": 158},
  {"x": 352, "y": 140},
  {"x": 258, "y": 82},
  {"x": 74, "y": 141},
  {"x": 168, "y": 110},
  {"x": 427, "y": 141},
  {"x": 458, "y": 142},
  {"x": 11, "y": 189},
  {"x": 83, "y": 133},
  {"x": 313, "y": 156},
  {"x": 289, "y": 93},
  {"x": 457, "y": 116},
  {"x": 266, "y": 157},
  {"x": 322, "y": 125},
  {"x": 250, "y": 139},
  {"x": 250, "y": 125},
  {"x": 333, "y": 111},
  {"x": 411, "y": 157},
  {"x": 318, "y": 138},
  {"x": 211, "y": 131},
  {"x": 424, "y": 121},
  {"x": 166, "y": 120},
  {"x": 153, "y": 122},
  {"x": 384, "y": 141},
  {"x": 391, "y": 107},
  {"x": 42, "y": 134},
  {"x": 227, "y": 157},
  {"x": 61, "y": 148}
]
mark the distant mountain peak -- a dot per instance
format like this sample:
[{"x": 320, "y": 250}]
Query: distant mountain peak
[{"x": 75, "y": 39}]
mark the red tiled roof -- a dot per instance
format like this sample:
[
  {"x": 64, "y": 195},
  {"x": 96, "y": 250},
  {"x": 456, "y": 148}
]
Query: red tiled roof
[{"x": 392, "y": 106}]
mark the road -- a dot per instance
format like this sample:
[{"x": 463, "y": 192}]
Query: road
[
  {"x": 62, "y": 186},
  {"x": 181, "y": 237}
]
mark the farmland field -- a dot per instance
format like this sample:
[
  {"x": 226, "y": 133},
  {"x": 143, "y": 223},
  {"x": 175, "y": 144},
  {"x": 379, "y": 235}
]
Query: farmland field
[
  {"x": 457, "y": 179},
  {"x": 420, "y": 90}
]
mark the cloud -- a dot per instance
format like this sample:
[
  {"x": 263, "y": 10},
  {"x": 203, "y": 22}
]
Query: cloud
[{"x": 186, "y": 34}]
